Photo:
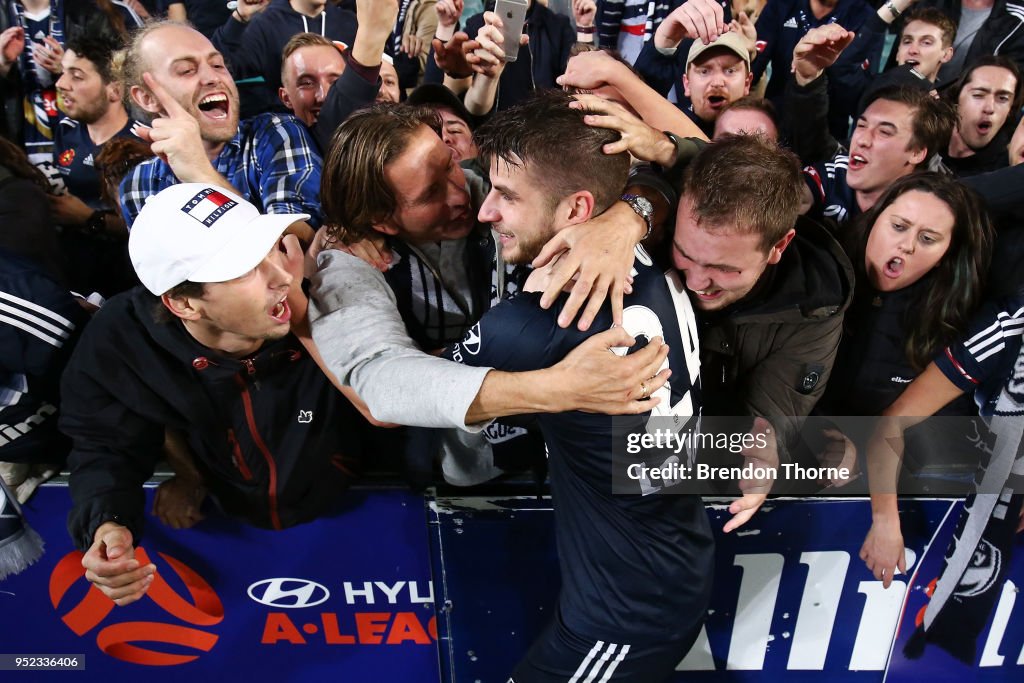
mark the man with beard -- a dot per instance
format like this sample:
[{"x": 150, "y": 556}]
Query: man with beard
[
  {"x": 93, "y": 240},
  {"x": 548, "y": 172},
  {"x": 174, "y": 73},
  {"x": 716, "y": 74}
]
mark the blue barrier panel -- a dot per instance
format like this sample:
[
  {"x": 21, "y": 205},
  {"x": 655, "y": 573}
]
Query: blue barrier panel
[
  {"x": 349, "y": 598},
  {"x": 345, "y": 598},
  {"x": 792, "y": 600}
]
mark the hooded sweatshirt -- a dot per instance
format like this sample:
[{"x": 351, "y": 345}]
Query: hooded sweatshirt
[{"x": 254, "y": 49}]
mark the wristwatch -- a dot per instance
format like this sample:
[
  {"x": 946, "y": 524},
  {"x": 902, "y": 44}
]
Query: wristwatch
[{"x": 643, "y": 208}]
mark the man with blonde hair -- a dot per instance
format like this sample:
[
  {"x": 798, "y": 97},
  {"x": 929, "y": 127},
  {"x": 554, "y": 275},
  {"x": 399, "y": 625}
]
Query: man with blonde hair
[{"x": 174, "y": 74}]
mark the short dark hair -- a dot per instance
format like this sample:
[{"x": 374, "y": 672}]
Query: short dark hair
[
  {"x": 546, "y": 133},
  {"x": 187, "y": 288},
  {"x": 99, "y": 48},
  {"x": 753, "y": 103},
  {"x": 940, "y": 312},
  {"x": 354, "y": 192},
  {"x": 746, "y": 182},
  {"x": 935, "y": 17},
  {"x": 1001, "y": 62},
  {"x": 932, "y": 121}
]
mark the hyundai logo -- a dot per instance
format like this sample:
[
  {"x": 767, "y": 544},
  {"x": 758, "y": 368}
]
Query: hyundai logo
[{"x": 288, "y": 593}]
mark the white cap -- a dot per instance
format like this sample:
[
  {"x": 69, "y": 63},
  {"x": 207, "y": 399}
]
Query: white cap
[{"x": 200, "y": 233}]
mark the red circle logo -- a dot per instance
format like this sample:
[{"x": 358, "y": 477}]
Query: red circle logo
[{"x": 121, "y": 640}]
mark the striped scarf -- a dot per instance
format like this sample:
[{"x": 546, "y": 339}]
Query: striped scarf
[
  {"x": 20, "y": 545},
  {"x": 977, "y": 560}
]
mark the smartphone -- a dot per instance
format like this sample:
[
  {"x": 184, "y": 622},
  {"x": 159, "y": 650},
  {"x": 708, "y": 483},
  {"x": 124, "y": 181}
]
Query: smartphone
[{"x": 513, "y": 15}]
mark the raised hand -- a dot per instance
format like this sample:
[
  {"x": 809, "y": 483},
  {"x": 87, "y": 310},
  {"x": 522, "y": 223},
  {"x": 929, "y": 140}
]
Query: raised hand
[
  {"x": 744, "y": 26},
  {"x": 636, "y": 137},
  {"x": 376, "y": 21},
  {"x": 247, "y": 9},
  {"x": 412, "y": 45},
  {"x": 48, "y": 54},
  {"x": 584, "y": 12},
  {"x": 176, "y": 138},
  {"x": 819, "y": 49},
  {"x": 448, "y": 13},
  {"x": 450, "y": 57},
  {"x": 486, "y": 54},
  {"x": 697, "y": 19},
  {"x": 12, "y": 44},
  {"x": 590, "y": 71}
]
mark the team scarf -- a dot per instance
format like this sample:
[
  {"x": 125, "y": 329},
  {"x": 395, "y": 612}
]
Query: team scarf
[
  {"x": 20, "y": 545},
  {"x": 978, "y": 559},
  {"x": 39, "y": 104}
]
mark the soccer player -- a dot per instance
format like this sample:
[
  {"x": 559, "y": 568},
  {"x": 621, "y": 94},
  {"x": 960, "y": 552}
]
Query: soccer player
[{"x": 636, "y": 567}]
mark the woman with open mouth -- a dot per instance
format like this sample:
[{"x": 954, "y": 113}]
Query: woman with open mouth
[{"x": 921, "y": 254}]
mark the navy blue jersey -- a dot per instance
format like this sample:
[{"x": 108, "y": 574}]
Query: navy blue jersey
[
  {"x": 989, "y": 353},
  {"x": 833, "y": 198},
  {"x": 74, "y": 154},
  {"x": 632, "y": 564}
]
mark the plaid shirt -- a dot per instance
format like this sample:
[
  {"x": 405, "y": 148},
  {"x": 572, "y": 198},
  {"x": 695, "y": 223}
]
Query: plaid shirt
[{"x": 272, "y": 161}]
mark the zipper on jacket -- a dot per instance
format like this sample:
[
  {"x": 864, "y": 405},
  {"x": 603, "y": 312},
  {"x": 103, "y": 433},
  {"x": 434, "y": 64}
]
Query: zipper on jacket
[
  {"x": 250, "y": 368},
  {"x": 250, "y": 419},
  {"x": 236, "y": 456}
]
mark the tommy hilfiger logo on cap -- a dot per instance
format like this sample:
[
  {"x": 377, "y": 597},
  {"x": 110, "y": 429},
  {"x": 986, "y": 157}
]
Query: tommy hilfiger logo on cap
[{"x": 208, "y": 206}]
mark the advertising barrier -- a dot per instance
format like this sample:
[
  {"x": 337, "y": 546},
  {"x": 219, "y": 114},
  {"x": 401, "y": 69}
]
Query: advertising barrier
[
  {"x": 792, "y": 600},
  {"x": 347, "y": 597},
  {"x": 350, "y": 598}
]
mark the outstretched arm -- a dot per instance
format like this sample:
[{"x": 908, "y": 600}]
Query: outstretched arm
[
  {"x": 364, "y": 343},
  {"x": 596, "y": 70},
  {"x": 882, "y": 551}
]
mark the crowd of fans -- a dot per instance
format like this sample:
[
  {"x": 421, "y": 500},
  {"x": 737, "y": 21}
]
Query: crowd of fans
[{"x": 837, "y": 187}]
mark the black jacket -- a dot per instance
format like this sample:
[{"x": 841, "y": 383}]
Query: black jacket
[
  {"x": 1001, "y": 34},
  {"x": 39, "y": 325},
  {"x": 273, "y": 439},
  {"x": 254, "y": 49},
  {"x": 872, "y": 370},
  {"x": 991, "y": 157}
]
